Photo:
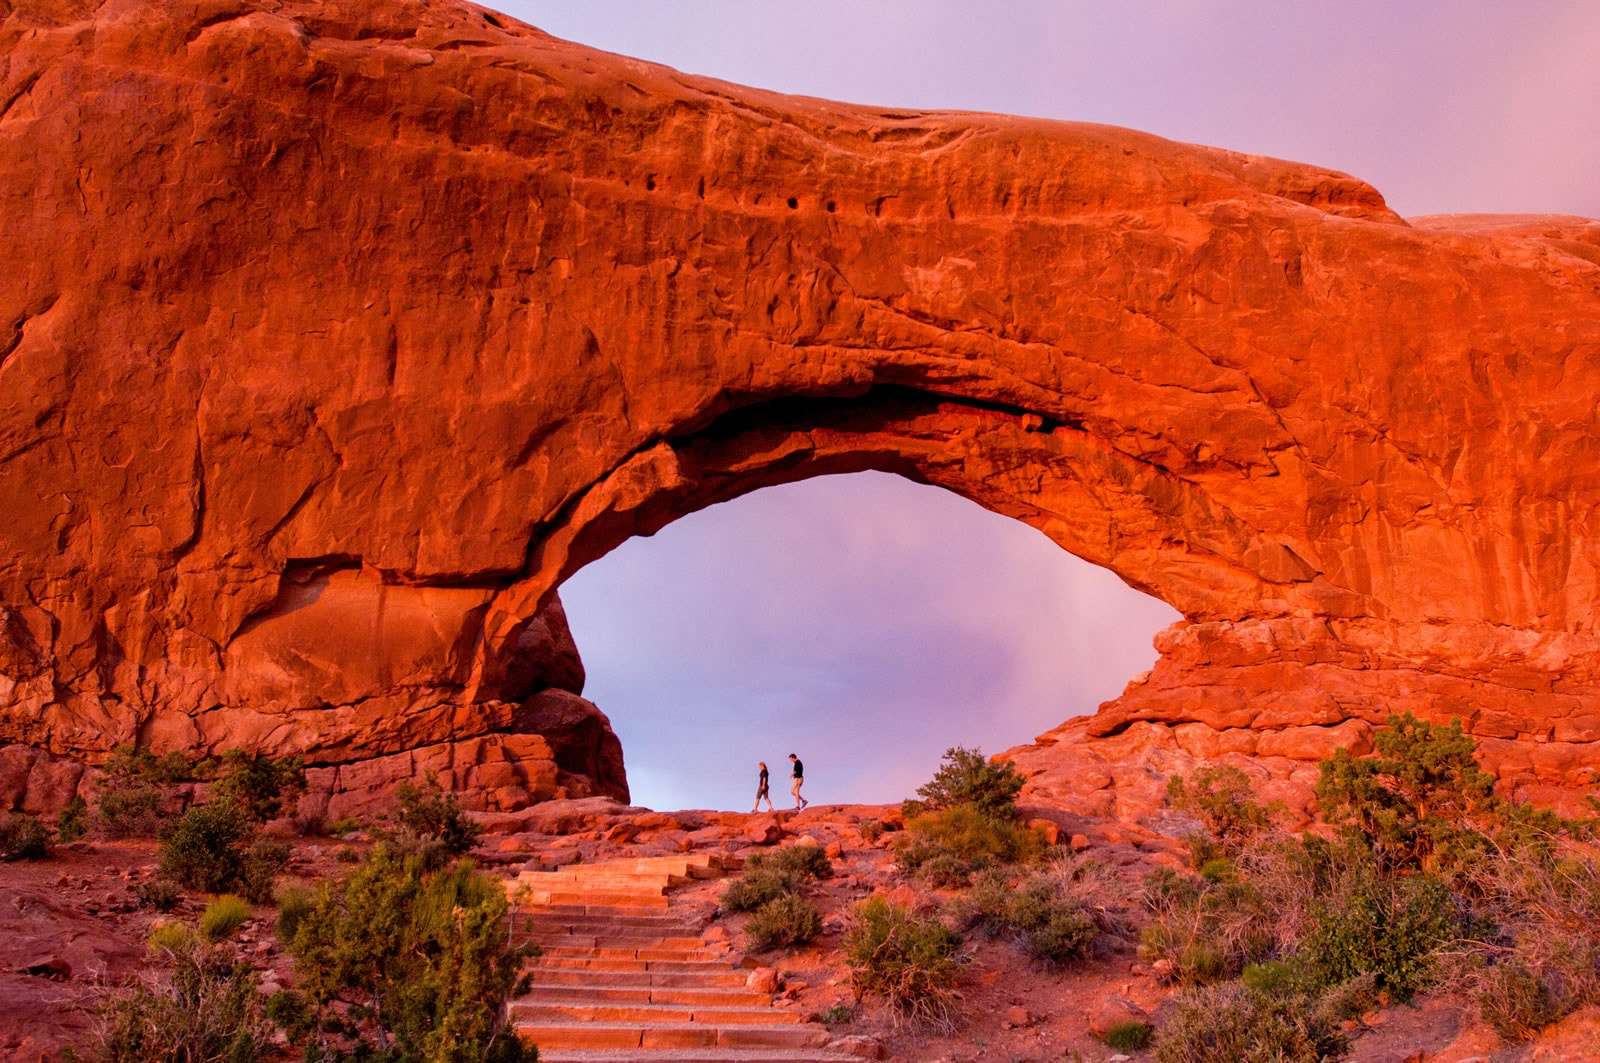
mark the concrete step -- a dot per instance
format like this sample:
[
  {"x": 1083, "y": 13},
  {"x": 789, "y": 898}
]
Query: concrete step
[
  {"x": 589, "y": 901},
  {"x": 602, "y": 963},
  {"x": 612, "y": 883},
  {"x": 616, "y": 941},
  {"x": 686, "y": 1035},
  {"x": 539, "y": 1012},
  {"x": 543, "y": 992},
  {"x": 636, "y": 922},
  {"x": 618, "y": 948},
  {"x": 725, "y": 979},
  {"x": 566, "y": 909}
]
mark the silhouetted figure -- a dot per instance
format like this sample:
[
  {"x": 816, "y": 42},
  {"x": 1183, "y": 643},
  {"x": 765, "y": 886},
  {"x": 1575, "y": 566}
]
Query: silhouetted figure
[
  {"x": 761, "y": 791},
  {"x": 799, "y": 781}
]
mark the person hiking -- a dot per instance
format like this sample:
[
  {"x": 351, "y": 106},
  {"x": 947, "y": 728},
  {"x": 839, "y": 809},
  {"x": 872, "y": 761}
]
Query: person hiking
[
  {"x": 761, "y": 790},
  {"x": 799, "y": 781}
]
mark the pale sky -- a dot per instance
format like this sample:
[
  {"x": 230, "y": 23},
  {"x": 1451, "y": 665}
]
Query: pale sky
[{"x": 865, "y": 622}]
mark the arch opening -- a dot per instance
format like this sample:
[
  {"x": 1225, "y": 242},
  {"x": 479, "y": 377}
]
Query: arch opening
[{"x": 862, "y": 620}]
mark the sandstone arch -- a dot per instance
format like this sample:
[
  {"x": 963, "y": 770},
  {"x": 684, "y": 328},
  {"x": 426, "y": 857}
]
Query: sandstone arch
[{"x": 379, "y": 319}]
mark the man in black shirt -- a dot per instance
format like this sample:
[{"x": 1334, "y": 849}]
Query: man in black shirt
[
  {"x": 799, "y": 781},
  {"x": 761, "y": 791}
]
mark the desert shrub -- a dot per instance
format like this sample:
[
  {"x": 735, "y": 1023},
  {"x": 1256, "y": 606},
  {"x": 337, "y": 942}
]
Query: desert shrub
[
  {"x": 1222, "y": 798},
  {"x": 225, "y": 914},
  {"x": 131, "y": 811},
  {"x": 758, "y": 886},
  {"x": 257, "y": 784},
  {"x": 1422, "y": 802},
  {"x": 786, "y": 920},
  {"x": 259, "y": 866},
  {"x": 1517, "y": 1002},
  {"x": 805, "y": 861},
  {"x": 137, "y": 795},
  {"x": 1203, "y": 930},
  {"x": 1390, "y": 929},
  {"x": 871, "y": 830},
  {"x": 73, "y": 821},
  {"x": 965, "y": 834},
  {"x": 1276, "y": 977},
  {"x": 1232, "y": 1023},
  {"x": 967, "y": 777},
  {"x": 338, "y": 828},
  {"x": 911, "y": 961},
  {"x": 413, "y": 959},
  {"x": 204, "y": 1008},
  {"x": 431, "y": 824},
  {"x": 945, "y": 871},
  {"x": 157, "y": 894},
  {"x": 769, "y": 876},
  {"x": 23, "y": 838},
  {"x": 836, "y": 1015},
  {"x": 170, "y": 937},
  {"x": 294, "y": 902},
  {"x": 205, "y": 848},
  {"x": 1129, "y": 1035},
  {"x": 1539, "y": 922},
  {"x": 1043, "y": 911}
]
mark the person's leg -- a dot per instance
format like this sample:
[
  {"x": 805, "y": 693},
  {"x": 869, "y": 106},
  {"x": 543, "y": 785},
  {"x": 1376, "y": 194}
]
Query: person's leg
[{"x": 794, "y": 792}]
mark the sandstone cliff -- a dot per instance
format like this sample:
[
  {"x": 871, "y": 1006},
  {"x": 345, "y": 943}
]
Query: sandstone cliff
[{"x": 335, "y": 335}]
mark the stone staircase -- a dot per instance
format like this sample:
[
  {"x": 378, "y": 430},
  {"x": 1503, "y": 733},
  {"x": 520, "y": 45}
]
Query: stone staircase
[{"x": 626, "y": 975}]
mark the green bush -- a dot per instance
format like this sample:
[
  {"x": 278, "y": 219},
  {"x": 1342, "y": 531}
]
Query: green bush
[
  {"x": 839, "y": 1014},
  {"x": 909, "y": 960},
  {"x": 23, "y": 838},
  {"x": 1222, "y": 798},
  {"x": 768, "y": 876},
  {"x": 1232, "y": 1023},
  {"x": 1420, "y": 802},
  {"x": 338, "y": 828},
  {"x": 73, "y": 821},
  {"x": 294, "y": 901},
  {"x": 157, "y": 894},
  {"x": 136, "y": 798},
  {"x": 966, "y": 834},
  {"x": 259, "y": 867},
  {"x": 1049, "y": 921},
  {"x": 1517, "y": 1002},
  {"x": 171, "y": 937},
  {"x": 1129, "y": 1035},
  {"x": 432, "y": 825},
  {"x": 966, "y": 777},
  {"x": 758, "y": 886},
  {"x": 1388, "y": 929},
  {"x": 224, "y": 915},
  {"x": 871, "y": 830},
  {"x": 423, "y": 955},
  {"x": 259, "y": 785},
  {"x": 1205, "y": 930},
  {"x": 205, "y": 1009},
  {"x": 805, "y": 861},
  {"x": 134, "y": 810},
  {"x": 945, "y": 871},
  {"x": 205, "y": 849},
  {"x": 787, "y": 921}
]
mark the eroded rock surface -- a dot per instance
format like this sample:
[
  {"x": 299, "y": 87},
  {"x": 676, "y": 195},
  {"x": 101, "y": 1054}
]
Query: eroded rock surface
[{"x": 335, "y": 335}]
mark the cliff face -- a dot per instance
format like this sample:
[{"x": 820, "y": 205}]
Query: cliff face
[{"x": 335, "y": 335}]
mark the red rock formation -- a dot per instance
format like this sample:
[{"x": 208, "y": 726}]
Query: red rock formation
[{"x": 336, "y": 335}]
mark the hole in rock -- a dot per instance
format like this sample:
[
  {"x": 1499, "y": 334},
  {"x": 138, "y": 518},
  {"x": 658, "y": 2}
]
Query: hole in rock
[{"x": 863, "y": 621}]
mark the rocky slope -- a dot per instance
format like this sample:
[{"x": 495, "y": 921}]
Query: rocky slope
[{"x": 336, "y": 335}]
